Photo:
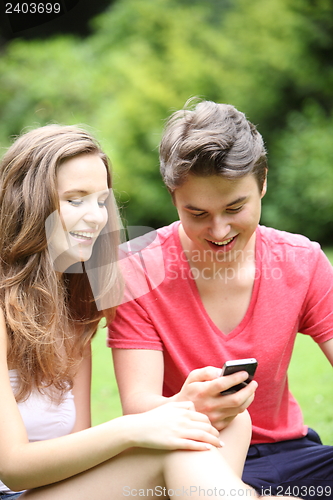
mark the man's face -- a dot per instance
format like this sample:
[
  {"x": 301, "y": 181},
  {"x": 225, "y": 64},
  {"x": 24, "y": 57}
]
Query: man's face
[{"x": 219, "y": 215}]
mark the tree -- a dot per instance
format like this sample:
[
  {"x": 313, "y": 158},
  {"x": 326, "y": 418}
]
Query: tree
[
  {"x": 145, "y": 58},
  {"x": 301, "y": 198}
]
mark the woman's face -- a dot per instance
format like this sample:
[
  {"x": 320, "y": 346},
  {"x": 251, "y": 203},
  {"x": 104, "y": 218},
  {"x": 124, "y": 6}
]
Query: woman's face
[{"x": 83, "y": 189}]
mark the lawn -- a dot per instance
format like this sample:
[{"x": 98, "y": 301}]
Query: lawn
[
  {"x": 310, "y": 379},
  {"x": 105, "y": 401}
]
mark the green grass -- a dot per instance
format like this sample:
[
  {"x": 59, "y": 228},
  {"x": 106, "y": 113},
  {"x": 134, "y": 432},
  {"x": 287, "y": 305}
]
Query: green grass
[
  {"x": 310, "y": 379},
  {"x": 105, "y": 403},
  {"x": 311, "y": 382},
  {"x": 329, "y": 253}
]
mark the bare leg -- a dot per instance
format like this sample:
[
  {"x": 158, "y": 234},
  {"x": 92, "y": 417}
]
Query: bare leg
[
  {"x": 209, "y": 476},
  {"x": 161, "y": 474},
  {"x": 153, "y": 474},
  {"x": 115, "y": 479},
  {"x": 220, "y": 474},
  {"x": 236, "y": 438}
]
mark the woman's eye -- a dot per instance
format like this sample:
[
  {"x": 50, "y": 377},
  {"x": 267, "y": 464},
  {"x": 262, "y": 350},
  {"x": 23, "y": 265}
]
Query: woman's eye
[{"x": 75, "y": 203}]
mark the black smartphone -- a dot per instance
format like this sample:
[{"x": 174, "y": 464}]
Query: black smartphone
[{"x": 237, "y": 365}]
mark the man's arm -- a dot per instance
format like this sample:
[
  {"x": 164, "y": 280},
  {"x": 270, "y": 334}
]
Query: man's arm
[
  {"x": 327, "y": 348},
  {"x": 140, "y": 375}
]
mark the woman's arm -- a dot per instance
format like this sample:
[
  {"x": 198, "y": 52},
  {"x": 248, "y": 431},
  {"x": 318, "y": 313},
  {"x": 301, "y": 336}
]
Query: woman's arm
[
  {"x": 140, "y": 375},
  {"x": 81, "y": 391},
  {"x": 25, "y": 465}
]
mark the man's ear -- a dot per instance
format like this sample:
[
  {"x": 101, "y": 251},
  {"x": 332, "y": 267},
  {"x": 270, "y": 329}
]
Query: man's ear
[{"x": 264, "y": 187}]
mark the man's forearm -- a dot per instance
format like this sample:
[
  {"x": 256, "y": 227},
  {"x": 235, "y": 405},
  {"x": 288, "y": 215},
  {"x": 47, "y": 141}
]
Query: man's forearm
[{"x": 144, "y": 401}]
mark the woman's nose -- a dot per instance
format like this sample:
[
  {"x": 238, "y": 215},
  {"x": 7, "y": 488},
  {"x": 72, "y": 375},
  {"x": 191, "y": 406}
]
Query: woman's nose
[{"x": 95, "y": 214}]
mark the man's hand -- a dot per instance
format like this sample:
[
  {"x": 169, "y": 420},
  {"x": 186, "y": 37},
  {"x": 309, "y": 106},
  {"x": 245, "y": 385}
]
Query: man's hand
[{"x": 203, "y": 388}]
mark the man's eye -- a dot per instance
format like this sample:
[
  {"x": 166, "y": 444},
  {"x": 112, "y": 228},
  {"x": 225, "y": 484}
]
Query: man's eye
[
  {"x": 196, "y": 215},
  {"x": 102, "y": 203},
  {"x": 75, "y": 203},
  {"x": 234, "y": 210}
]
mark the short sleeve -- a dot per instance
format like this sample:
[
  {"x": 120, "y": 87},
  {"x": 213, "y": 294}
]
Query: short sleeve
[
  {"x": 317, "y": 313},
  {"x": 142, "y": 268},
  {"x": 133, "y": 329}
]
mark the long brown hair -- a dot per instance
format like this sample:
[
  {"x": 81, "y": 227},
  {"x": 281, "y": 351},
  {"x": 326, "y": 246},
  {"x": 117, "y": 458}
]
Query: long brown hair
[{"x": 50, "y": 317}]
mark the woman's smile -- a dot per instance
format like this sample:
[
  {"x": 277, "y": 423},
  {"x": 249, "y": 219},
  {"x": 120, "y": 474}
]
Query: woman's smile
[{"x": 83, "y": 190}]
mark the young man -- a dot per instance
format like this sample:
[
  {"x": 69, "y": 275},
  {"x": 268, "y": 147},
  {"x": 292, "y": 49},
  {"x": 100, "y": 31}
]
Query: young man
[{"x": 232, "y": 289}]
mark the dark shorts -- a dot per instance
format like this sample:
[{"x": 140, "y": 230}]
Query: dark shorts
[
  {"x": 299, "y": 467},
  {"x": 9, "y": 496}
]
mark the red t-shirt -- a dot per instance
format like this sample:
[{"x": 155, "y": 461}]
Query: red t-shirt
[{"x": 293, "y": 292}]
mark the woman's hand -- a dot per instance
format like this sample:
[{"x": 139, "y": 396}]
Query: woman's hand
[{"x": 173, "y": 426}]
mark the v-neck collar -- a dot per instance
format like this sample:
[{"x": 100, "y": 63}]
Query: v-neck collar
[{"x": 195, "y": 292}]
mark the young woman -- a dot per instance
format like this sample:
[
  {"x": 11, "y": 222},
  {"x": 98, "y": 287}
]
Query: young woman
[{"x": 58, "y": 266}]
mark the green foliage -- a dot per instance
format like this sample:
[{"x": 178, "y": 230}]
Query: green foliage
[
  {"x": 272, "y": 60},
  {"x": 302, "y": 171},
  {"x": 37, "y": 86}
]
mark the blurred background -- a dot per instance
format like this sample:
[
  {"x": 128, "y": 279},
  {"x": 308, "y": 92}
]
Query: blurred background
[{"x": 122, "y": 66}]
